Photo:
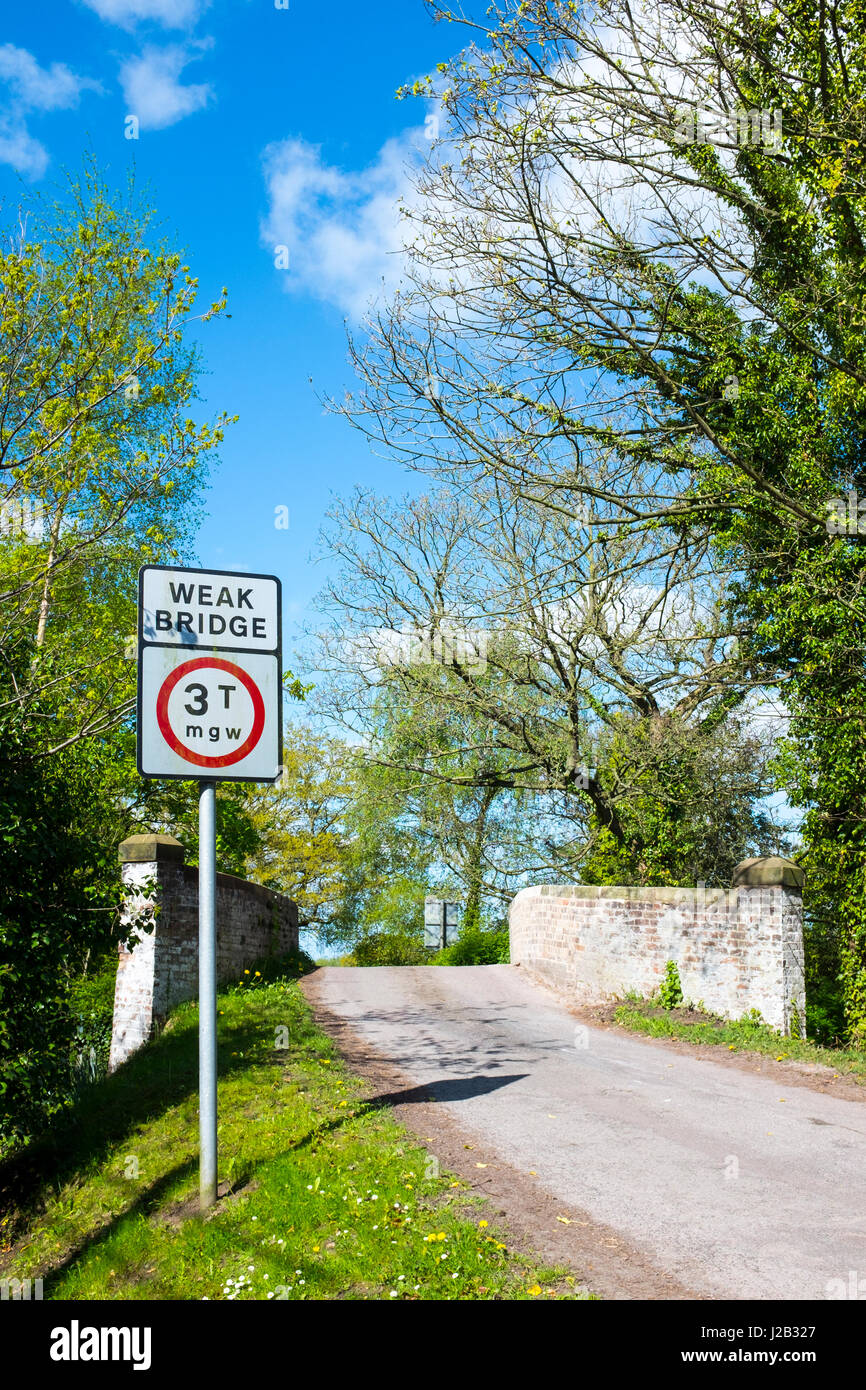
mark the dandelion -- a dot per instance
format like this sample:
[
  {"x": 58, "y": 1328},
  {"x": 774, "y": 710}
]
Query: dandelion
[
  {"x": 534, "y": 1290},
  {"x": 482, "y": 1223}
]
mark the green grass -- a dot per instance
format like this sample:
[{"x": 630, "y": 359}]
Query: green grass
[
  {"x": 330, "y": 1198},
  {"x": 744, "y": 1035}
]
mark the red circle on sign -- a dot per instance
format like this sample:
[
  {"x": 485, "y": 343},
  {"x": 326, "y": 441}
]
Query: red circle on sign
[{"x": 215, "y": 663}]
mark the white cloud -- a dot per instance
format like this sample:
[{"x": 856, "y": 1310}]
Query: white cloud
[
  {"x": 22, "y": 150},
  {"x": 171, "y": 14},
  {"x": 344, "y": 231},
  {"x": 30, "y": 88},
  {"x": 152, "y": 90},
  {"x": 39, "y": 89}
]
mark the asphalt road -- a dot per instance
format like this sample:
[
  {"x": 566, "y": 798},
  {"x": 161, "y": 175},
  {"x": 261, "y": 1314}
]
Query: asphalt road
[{"x": 732, "y": 1183}]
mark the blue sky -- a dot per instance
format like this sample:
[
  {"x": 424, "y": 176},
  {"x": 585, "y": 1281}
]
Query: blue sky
[{"x": 258, "y": 127}]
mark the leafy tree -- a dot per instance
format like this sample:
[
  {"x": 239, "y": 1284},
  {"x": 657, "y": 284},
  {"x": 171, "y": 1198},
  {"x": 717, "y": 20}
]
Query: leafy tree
[
  {"x": 171, "y": 808},
  {"x": 100, "y": 471},
  {"x": 302, "y": 842},
  {"x": 439, "y": 767},
  {"x": 592, "y": 725},
  {"x": 693, "y": 813},
  {"x": 637, "y": 291},
  {"x": 333, "y": 836},
  {"x": 96, "y": 381},
  {"x": 59, "y": 879}
]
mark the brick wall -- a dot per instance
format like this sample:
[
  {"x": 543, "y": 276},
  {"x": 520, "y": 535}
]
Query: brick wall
[
  {"x": 162, "y": 968},
  {"x": 736, "y": 949}
]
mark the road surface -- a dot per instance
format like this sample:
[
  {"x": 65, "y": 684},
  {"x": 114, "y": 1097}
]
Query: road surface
[{"x": 734, "y": 1184}]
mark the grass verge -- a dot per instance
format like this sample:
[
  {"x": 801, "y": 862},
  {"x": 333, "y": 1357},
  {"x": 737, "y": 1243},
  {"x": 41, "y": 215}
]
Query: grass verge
[
  {"x": 329, "y": 1197},
  {"x": 743, "y": 1035}
]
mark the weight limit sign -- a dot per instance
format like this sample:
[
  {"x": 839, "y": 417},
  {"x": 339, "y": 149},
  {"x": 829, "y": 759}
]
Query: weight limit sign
[
  {"x": 210, "y": 712},
  {"x": 209, "y": 675},
  {"x": 209, "y": 716}
]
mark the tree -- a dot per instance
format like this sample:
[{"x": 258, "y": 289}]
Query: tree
[
  {"x": 493, "y": 648},
  {"x": 335, "y": 839},
  {"x": 438, "y": 767},
  {"x": 695, "y": 810},
  {"x": 636, "y": 286},
  {"x": 100, "y": 469},
  {"x": 300, "y": 825},
  {"x": 59, "y": 879},
  {"x": 95, "y": 442}
]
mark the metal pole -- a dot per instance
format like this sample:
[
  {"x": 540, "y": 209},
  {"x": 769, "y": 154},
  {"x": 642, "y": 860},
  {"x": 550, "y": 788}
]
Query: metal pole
[{"x": 207, "y": 1040}]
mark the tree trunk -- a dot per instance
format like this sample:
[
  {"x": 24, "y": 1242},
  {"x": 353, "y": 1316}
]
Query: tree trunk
[
  {"x": 474, "y": 867},
  {"x": 45, "y": 602}
]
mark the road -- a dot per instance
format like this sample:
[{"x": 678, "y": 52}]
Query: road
[{"x": 729, "y": 1182}]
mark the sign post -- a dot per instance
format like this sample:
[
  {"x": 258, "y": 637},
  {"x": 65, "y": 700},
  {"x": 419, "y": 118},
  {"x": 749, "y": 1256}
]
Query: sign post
[
  {"x": 441, "y": 923},
  {"x": 209, "y": 706},
  {"x": 207, "y": 982}
]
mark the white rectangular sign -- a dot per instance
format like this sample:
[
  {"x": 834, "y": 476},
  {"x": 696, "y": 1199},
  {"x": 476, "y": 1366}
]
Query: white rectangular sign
[
  {"x": 209, "y": 709},
  {"x": 209, "y": 608}
]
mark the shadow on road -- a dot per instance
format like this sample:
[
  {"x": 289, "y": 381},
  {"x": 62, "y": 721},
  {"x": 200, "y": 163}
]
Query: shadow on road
[{"x": 456, "y": 1088}]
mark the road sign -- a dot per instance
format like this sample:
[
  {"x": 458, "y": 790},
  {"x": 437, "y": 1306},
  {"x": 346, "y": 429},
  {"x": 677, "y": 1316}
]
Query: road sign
[
  {"x": 210, "y": 675},
  {"x": 209, "y": 608},
  {"x": 441, "y": 923},
  {"x": 209, "y": 707}
]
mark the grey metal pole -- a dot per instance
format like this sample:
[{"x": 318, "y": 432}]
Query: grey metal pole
[{"x": 207, "y": 1039}]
